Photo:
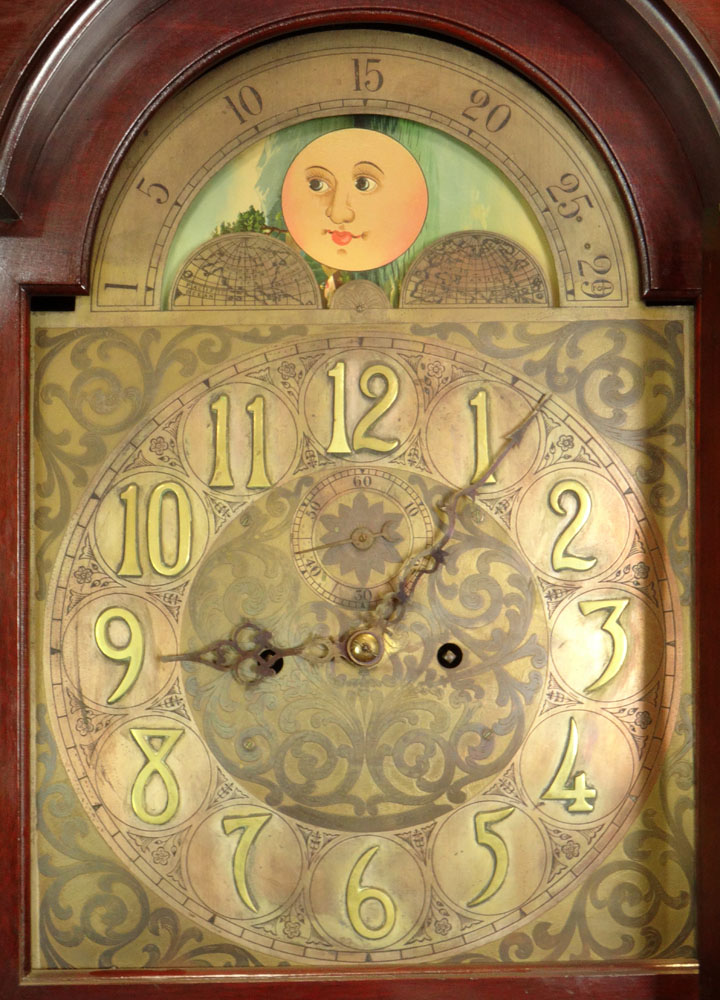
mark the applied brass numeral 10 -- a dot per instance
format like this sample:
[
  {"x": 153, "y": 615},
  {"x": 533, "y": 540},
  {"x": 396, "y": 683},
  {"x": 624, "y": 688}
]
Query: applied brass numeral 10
[{"x": 157, "y": 554}]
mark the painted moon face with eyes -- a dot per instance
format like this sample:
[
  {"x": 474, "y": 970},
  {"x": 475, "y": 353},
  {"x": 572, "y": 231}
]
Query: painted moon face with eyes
[{"x": 354, "y": 199}]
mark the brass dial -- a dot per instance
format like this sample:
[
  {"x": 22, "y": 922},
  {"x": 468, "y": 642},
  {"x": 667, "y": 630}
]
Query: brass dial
[
  {"x": 286, "y": 723},
  {"x": 489, "y": 754}
]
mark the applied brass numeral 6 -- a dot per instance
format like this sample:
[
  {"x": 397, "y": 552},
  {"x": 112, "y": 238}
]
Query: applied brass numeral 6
[{"x": 356, "y": 894}]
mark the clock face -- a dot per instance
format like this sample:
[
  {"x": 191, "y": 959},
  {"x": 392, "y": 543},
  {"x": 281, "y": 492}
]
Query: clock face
[{"x": 359, "y": 622}]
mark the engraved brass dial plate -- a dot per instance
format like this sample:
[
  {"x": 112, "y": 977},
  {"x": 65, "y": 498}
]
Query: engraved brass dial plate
[{"x": 311, "y": 697}]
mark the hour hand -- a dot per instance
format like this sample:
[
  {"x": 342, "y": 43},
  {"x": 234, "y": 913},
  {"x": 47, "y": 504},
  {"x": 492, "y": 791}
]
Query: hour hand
[{"x": 251, "y": 653}]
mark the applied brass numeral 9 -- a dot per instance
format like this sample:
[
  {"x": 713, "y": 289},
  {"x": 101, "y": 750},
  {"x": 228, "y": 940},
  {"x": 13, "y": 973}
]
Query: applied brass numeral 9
[{"x": 132, "y": 652}]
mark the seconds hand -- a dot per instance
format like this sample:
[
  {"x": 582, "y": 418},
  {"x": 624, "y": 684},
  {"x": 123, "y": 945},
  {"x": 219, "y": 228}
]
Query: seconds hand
[{"x": 366, "y": 536}]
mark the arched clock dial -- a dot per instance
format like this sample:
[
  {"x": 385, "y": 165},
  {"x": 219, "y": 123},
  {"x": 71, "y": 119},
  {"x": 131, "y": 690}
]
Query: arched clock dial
[
  {"x": 472, "y": 100},
  {"x": 350, "y": 789},
  {"x": 361, "y": 607}
]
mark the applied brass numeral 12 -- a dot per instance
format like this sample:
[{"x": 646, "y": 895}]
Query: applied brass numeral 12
[{"x": 362, "y": 438}]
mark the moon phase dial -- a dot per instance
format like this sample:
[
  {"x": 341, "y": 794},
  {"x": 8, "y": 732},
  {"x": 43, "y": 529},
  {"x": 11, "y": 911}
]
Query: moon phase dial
[{"x": 354, "y": 530}]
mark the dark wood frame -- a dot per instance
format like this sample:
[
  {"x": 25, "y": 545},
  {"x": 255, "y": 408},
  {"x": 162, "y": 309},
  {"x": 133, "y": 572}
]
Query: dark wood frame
[{"x": 79, "y": 79}]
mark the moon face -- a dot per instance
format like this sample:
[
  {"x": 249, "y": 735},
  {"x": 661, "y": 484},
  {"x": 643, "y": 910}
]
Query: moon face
[{"x": 354, "y": 199}]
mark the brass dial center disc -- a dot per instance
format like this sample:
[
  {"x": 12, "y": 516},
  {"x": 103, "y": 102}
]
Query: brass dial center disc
[{"x": 364, "y": 648}]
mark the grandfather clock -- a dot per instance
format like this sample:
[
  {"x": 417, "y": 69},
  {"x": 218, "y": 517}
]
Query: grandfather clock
[{"x": 360, "y": 499}]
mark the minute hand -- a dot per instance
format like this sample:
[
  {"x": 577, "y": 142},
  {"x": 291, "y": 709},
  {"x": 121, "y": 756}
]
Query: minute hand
[{"x": 394, "y": 604}]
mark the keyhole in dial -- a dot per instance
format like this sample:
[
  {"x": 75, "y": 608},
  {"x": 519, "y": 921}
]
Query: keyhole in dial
[{"x": 449, "y": 655}]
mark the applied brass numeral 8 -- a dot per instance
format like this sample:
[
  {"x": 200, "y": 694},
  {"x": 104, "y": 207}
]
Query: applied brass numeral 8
[{"x": 156, "y": 745}]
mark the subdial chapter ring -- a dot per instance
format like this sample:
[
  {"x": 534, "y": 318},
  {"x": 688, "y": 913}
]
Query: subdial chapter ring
[{"x": 354, "y": 530}]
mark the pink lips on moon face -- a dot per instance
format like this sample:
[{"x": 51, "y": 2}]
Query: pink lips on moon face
[{"x": 341, "y": 237}]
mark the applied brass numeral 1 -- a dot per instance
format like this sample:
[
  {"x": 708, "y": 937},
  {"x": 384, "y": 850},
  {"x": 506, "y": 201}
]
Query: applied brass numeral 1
[{"x": 479, "y": 403}]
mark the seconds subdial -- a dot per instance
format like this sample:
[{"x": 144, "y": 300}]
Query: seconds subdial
[{"x": 354, "y": 530}]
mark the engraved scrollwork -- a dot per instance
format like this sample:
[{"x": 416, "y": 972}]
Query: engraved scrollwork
[
  {"x": 327, "y": 744},
  {"x": 626, "y": 380},
  {"x": 638, "y": 904},
  {"x": 93, "y": 911},
  {"x": 93, "y": 387}
]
